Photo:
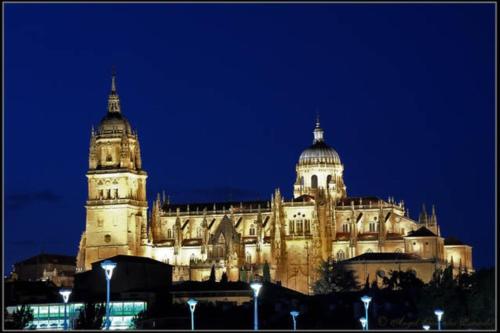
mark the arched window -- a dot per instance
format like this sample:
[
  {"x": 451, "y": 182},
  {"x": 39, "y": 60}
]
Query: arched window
[
  {"x": 302, "y": 181},
  {"x": 169, "y": 233},
  {"x": 291, "y": 227},
  {"x": 328, "y": 180},
  {"x": 307, "y": 227},
  {"x": 300, "y": 228},
  {"x": 314, "y": 181},
  {"x": 340, "y": 255},
  {"x": 345, "y": 227},
  {"x": 252, "y": 230}
]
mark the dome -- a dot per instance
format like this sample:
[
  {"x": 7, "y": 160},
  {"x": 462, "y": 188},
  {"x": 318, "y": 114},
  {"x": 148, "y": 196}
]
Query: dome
[
  {"x": 319, "y": 153},
  {"x": 114, "y": 122}
]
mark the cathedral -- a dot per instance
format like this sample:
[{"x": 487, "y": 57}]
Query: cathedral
[{"x": 287, "y": 238}]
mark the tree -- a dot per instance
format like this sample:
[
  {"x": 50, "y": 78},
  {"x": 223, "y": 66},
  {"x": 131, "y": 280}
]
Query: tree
[
  {"x": 21, "y": 317},
  {"x": 334, "y": 277},
  {"x": 135, "y": 322},
  {"x": 91, "y": 316},
  {"x": 266, "y": 272},
  {"x": 212, "y": 274},
  {"x": 402, "y": 280}
]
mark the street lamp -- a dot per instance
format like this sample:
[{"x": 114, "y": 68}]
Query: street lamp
[
  {"x": 363, "y": 321},
  {"x": 294, "y": 314},
  {"x": 65, "y": 294},
  {"x": 108, "y": 267},
  {"x": 439, "y": 314},
  {"x": 192, "y": 304},
  {"x": 366, "y": 301},
  {"x": 426, "y": 327},
  {"x": 256, "y": 288}
]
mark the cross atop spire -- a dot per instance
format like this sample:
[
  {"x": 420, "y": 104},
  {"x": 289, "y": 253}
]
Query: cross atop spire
[
  {"x": 113, "y": 99},
  {"x": 113, "y": 78},
  {"x": 318, "y": 131}
]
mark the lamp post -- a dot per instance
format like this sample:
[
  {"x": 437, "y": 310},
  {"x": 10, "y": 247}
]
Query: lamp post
[
  {"x": 426, "y": 327},
  {"x": 256, "y": 288},
  {"x": 363, "y": 320},
  {"x": 108, "y": 267},
  {"x": 439, "y": 314},
  {"x": 294, "y": 314},
  {"x": 65, "y": 294},
  {"x": 192, "y": 304},
  {"x": 366, "y": 301}
]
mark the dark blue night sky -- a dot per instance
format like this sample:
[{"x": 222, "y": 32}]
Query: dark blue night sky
[{"x": 224, "y": 98}]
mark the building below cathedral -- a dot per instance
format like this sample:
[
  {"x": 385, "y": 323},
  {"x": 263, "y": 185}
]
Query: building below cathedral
[{"x": 369, "y": 235}]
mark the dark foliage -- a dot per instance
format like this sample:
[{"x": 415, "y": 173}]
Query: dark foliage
[
  {"x": 334, "y": 278},
  {"x": 20, "y": 318}
]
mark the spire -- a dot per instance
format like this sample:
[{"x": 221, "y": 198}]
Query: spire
[
  {"x": 318, "y": 131},
  {"x": 113, "y": 78},
  {"x": 422, "y": 219},
  {"x": 433, "y": 220},
  {"x": 113, "y": 99}
]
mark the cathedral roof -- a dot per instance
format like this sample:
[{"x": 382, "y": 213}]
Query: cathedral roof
[
  {"x": 45, "y": 258},
  {"x": 319, "y": 152},
  {"x": 364, "y": 201},
  {"x": 114, "y": 122},
  {"x": 209, "y": 206},
  {"x": 375, "y": 256},
  {"x": 422, "y": 232}
]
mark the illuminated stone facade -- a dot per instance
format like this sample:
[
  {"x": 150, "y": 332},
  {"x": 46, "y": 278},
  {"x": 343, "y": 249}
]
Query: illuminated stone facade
[{"x": 238, "y": 238}]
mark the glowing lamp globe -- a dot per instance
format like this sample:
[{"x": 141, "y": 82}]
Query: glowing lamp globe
[
  {"x": 256, "y": 288},
  {"x": 108, "y": 267},
  {"x": 65, "y": 294}
]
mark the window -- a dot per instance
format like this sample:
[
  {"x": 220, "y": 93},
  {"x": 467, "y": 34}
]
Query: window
[
  {"x": 372, "y": 227},
  {"x": 314, "y": 181},
  {"x": 169, "y": 233},
  {"x": 402, "y": 231},
  {"x": 340, "y": 255},
  {"x": 307, "y": 227},
  {"x": 107, "y": 238},
  {"x": 300, "y": 229},
  {"x": 249, "y": 258},
  {"x": 100, "y": 222},
  {"x": 108, "y": 193},
  {"x": 116, "y": 193},
  {"x": 101, "y": 194},
  {"x": 291, "y": 227},
  {"x": 345, "y": 227},
  {"x": 328, "y": 180},
  {"x": 252, "y": 230},
  {"x": 109, "y": 158},
  {"x": 301, "y": 181}
]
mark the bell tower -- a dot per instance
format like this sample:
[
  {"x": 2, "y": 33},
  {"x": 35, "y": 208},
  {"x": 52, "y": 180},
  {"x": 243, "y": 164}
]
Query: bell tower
[{"x": 116, "y": 204}]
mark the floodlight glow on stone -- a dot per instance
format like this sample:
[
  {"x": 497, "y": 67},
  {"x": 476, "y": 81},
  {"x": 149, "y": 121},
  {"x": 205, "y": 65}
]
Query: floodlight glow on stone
[{"x": 426, "y": 327}]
